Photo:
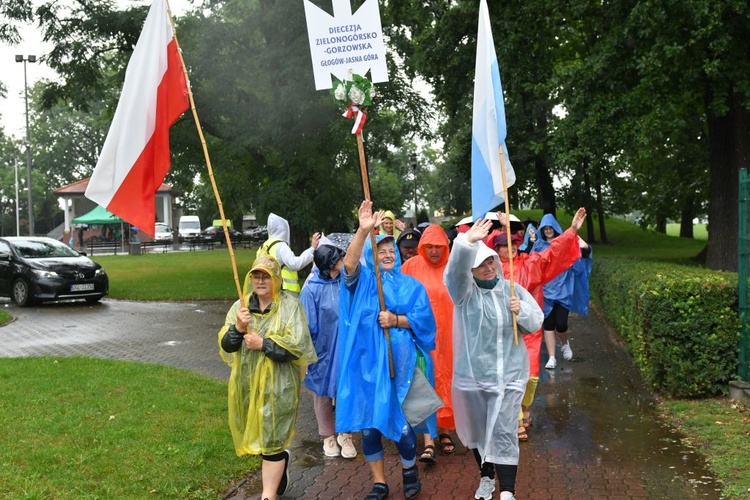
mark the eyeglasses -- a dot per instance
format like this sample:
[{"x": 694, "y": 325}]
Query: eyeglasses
[{"x": 260, "y": 277}]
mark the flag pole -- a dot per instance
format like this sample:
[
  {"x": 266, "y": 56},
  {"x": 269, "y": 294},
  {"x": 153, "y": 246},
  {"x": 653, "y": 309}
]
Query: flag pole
[
  {"x": 208, "y": 162},
  {"x": 509, "y": 242},
  {"x": 378, "y": 279}
]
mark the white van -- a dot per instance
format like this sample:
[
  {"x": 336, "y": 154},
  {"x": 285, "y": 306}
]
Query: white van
[{"x": 189, "y": 228}]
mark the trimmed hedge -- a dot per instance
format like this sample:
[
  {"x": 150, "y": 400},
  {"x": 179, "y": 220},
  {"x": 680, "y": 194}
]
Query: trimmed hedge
[{"x": 680, "y": 323}]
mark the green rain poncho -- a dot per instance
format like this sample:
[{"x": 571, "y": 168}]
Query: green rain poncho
[{"x": 264, "y": 394}]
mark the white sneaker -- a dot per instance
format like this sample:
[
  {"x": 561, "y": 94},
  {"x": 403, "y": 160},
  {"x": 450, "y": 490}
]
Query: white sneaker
[
  {"x": 330, "y": 447},
  {"x": 551, "y": 364},
  {"x": 567, "y": 352},
  {"x": 486, "y": 488},
  {"x": 347, "y": 446}
]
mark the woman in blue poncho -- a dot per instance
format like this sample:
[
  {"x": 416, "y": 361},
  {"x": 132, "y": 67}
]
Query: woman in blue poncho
[
  {"x": 569, "y": 291},
  {"x": 368, "y": 400}
]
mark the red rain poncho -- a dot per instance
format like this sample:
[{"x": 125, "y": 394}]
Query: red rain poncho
[{"x": 431, "y": 276}]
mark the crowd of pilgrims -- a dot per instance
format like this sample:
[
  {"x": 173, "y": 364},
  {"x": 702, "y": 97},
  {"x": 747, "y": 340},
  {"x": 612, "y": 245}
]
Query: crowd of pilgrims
[{"x": 423, "y": 344}]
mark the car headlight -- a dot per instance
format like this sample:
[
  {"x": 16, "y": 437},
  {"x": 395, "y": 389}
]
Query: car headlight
[
  {"x": 100, "y": 272},
  {"x": 45, "y": 274}
]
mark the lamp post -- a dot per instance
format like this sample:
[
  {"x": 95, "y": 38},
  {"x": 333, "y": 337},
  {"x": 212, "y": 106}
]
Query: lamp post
[
  {"x": 18, "y": 228},
  {"x": 414, "y": 164},
  {"x": 31, "y": 59}
]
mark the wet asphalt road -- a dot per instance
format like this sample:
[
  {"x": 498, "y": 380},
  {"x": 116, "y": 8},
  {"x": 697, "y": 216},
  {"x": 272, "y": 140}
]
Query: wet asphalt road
[{"x": 595, "y": 433}]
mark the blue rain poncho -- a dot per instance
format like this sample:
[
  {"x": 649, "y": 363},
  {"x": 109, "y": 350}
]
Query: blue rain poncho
[
  {"x": 320, "y": 298},
  {"x": 570, "y": 288},
  {"x": 367, "y": 397},
  {"x": 263, "y": 394},
  {"x": 489, "y": 370}
]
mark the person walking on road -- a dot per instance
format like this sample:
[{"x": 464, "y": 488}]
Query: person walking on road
[
  {"x": 428, "y": 266},
  {"x": 277, "y": 246},
  {"x": 267, "y": 344},
  {"x": 320, "y": 298},
  {"x": 368, "y": 399},
  {"x": 569, "y": 291},
  {"x": 489, "y": 370}
]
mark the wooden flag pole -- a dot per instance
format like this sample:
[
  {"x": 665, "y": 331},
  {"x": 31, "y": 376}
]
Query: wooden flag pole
[
  {"x": 378, "y": 279},
  {"x": 208, "y": 163},
  {"x": 509, "y": 242}
]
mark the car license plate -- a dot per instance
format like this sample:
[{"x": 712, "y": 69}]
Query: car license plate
[{"x": 82, "y": 287}]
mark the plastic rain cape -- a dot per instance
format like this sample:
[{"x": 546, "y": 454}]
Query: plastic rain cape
[
  {"x": 263, "y": 395},
  {"x": 320, "y": 298},
  {"x": 570, "y": 288},
  {"x": 489, "y": 371},
  {"x": 367, "y": 397}
]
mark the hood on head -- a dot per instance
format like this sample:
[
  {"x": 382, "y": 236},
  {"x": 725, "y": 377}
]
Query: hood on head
[
  {"x": 278, "y": 227},
  {"x": 482, "y": 254},
  {"x": 434, "y": 235},
  {"x": 326, "y": 257},
  {"x": 549, "y": 220}
]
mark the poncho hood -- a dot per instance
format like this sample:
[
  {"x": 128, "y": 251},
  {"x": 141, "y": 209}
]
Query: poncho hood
[{"x": 278, "y": 227}]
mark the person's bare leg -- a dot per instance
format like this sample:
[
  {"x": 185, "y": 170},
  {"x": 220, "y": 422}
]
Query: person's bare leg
[
  {"x": 550, "y": 341},
  {"x": 377, "y": 469},
  {"x": 271, "y": 474}
]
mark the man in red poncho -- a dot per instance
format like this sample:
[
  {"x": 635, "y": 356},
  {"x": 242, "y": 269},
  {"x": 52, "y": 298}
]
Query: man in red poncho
[
  {"x": 428, "y": 267},
  {"x": 532, "y": 271}
]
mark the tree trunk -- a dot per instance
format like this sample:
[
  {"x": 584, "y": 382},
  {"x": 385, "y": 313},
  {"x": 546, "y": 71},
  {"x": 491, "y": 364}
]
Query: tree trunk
[
  {"x": 661, "y": 224},
  {"x": 686, "y": 218},
  {"x": 587, "y": 202},
  {"x": 729, "y": 150},
  {"x": 600, "y": 206}
]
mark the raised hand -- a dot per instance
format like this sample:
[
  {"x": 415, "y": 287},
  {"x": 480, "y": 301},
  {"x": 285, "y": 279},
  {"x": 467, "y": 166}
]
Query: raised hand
[
  {"x": 367, "y": 219},
  {"x": 578, "y": 219},
  {"x": 479, "y": 230}
]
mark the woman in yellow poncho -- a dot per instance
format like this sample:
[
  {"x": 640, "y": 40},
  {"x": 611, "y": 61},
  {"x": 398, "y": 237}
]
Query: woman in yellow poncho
[{"x": 268, "y": 346}]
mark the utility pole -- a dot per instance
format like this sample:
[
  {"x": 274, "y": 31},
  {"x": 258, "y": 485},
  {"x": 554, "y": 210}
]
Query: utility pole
[
  {"x": 413, "y": 161},
  {"x": 31, "y": 59}
]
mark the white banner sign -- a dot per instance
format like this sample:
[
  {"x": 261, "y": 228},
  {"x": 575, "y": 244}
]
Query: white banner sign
[{"x": 346, "y": 41}]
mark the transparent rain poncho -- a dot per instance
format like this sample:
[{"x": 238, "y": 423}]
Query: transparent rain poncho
[
  {"x": 489, "y": 370},
  {"x": 263, "y": 395}
]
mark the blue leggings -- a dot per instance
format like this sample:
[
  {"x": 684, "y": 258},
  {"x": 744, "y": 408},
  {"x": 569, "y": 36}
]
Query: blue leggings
[{"x": 372, "y": 445}]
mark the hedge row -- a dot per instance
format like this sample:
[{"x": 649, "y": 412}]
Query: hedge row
[{"x": 680, "y": 323}]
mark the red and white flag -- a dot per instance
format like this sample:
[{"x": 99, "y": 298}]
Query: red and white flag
[{"x": 135, "y": 157}]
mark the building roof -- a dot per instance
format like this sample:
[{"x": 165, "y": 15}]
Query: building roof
[{"x": 79, "y": 187}]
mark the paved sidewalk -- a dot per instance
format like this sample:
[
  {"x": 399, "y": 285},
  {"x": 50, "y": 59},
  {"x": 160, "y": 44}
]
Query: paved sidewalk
[{"x": 595, "y": 431}]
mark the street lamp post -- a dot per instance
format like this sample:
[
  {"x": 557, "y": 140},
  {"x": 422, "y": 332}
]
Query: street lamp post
[
  {"x": 31, "y": 59},
  {"x": 18, "y": 228},
  {"x": 414, "y": 164}
]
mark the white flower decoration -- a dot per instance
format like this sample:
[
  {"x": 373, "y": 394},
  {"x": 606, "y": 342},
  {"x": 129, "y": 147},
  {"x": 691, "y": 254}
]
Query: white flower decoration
[
  {"x": 340, "y": 92},
  {"x": 356, "y": 95},
  {"x": 372, "y": 92}
]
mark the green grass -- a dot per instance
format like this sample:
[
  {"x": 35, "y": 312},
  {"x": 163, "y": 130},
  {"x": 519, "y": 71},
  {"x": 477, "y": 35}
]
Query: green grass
[
  {"x": 92, "y": 428},
  {"x": 719, "y": 429},
  {"x": 175, "y": 276}
]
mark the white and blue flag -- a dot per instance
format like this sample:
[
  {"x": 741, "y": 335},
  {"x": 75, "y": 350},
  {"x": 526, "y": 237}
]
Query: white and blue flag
[{"x": 488, "y": 126}]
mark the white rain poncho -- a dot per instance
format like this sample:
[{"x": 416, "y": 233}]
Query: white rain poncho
[
  {"x": 489, "y": 370},
  {"x": 263, "y": 395}
]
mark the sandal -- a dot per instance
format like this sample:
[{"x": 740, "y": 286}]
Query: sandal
[
  {"x": 526, "y": 418},
  {"x": 522, "y": 434},
  {"x": 428, "y": 455},
  {"x": 446, "y": 444},
  {"x": 379, "y": 491},
  {"x": 412, "y": 485}
]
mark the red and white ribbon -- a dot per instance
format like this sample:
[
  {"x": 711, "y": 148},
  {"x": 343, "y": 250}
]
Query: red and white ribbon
[{"x": 359, "y": 115}]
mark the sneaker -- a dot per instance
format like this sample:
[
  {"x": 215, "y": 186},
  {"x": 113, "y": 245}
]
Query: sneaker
[
  {"x": 507, "y": 495},
  {"x": 486, "y": 488},
  {"x": 347, "y": 446},
  {"x": 567, "y": 352},
  {"x": 331, "y": 447},
  {"x": 551, "y": 364},
  {"x": 284, "y": 478}
]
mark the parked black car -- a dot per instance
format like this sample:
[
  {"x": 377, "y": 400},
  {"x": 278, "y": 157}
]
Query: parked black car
[
  {"x": 216, "y": 234},
  {"x": 35, "y": 269}
]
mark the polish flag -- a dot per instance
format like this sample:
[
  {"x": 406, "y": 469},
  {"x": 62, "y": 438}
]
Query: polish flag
[{"x": 135, "y": 158}]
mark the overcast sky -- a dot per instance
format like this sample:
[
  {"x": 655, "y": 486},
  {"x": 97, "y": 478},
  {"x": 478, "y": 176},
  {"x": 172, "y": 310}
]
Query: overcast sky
[{"x": 12, "y": 107}]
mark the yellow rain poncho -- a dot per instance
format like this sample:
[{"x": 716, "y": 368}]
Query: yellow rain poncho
[{"x": 263, "y": 394}]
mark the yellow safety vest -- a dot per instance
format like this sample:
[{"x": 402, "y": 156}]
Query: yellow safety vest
[{"x": 289, "y": 278}]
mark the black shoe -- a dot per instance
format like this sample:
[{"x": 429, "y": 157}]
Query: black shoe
[
  {"x": 285, "y": 478},
  {"x": 378, "y": 492},
  {"x": 412, "y": 486}
]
